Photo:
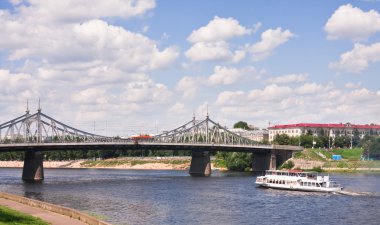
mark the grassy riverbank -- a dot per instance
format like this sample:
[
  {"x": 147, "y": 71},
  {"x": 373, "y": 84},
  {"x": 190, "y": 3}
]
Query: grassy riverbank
[
  {"x": 10, "y": 216},
  {"x": 322, "y": 159}
]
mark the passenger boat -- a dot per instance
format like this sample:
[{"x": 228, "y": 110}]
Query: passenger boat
[{"x": 297, "y": 180}]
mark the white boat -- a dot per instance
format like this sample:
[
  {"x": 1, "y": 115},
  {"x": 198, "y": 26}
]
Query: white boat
[{"x": 297, "y": 181}]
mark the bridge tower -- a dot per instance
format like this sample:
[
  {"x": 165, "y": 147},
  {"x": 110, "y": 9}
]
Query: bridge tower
[{"x": 33, "y": 170}]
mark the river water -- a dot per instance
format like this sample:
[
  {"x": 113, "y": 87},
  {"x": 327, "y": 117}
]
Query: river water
[{"x": 173, "y": 197}]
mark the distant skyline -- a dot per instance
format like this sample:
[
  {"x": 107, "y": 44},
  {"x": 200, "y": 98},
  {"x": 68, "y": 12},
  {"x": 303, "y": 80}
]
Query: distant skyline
[{"x": 124, "y": 67}]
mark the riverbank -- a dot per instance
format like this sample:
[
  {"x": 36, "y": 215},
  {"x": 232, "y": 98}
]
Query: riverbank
[
  {"x": 52, "y": 214},
  {"x": 137, "y": 163},
  {"x": 321, "y": 159},
  {"x": 8, "y": 215}
]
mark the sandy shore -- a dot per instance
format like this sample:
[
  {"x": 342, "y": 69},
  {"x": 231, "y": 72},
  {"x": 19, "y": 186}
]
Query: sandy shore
[{"x": 156, "y": 165}]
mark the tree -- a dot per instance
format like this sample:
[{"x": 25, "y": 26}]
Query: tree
[
  {"x": 239, "y": 161},
  {"x": 372, "y": 148},
  {"x": 242, "y": 125},
  {"x": 356, "y": 138},
  {"x": 281, "y": 139}
]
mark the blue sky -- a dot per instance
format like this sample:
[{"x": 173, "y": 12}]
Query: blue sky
[{"x": 147, "y": 66}]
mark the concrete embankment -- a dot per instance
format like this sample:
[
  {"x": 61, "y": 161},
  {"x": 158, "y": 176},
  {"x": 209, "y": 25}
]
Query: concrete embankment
[{"x": 70, "y": 213}]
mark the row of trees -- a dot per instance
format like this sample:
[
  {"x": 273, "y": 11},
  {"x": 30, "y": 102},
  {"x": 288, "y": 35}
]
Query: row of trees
[{"x": 91, "y": 154}]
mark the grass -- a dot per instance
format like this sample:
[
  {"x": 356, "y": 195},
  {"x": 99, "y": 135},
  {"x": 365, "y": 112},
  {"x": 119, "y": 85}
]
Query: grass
[
  {"x": 350, "y": 154},
  {"x": 350, "y": 162},
  {"x": 313, "y": 154},
  {"x": 10, "y": 216}
]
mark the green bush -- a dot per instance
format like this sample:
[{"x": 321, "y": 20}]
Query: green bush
[{"x": 287, "y": 165}]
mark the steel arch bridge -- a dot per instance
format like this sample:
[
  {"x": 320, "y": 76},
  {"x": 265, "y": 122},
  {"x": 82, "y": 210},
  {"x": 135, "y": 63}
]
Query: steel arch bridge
[
  {"x": 41, "y": 128},
  {"x": 35, "y": 133}
]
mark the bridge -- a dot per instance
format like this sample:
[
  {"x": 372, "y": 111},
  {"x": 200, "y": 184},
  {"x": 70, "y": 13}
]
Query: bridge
[{"x": 38, "y": 132}]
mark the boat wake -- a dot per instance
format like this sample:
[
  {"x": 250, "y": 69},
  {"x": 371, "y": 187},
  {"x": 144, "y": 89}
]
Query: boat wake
[{"x": 354, "y": 193}]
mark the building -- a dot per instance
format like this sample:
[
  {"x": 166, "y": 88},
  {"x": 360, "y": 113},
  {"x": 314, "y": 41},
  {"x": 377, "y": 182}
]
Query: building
[
  {"x": 332, "y": 130},
  {"x": 255, "y": 135}
]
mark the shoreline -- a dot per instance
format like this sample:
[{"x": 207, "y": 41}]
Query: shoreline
[
  {"x": 133, "y": 163},
  {"x": 164, "y": 163}
]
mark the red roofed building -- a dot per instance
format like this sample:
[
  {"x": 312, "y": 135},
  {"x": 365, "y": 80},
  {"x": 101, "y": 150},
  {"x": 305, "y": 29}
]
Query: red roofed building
[{"x": 295, "y": 130}]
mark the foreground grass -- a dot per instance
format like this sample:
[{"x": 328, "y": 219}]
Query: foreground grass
[{"x": 10, "y": 216}]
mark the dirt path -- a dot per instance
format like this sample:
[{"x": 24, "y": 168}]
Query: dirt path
[{"x": 51, "y": 217}]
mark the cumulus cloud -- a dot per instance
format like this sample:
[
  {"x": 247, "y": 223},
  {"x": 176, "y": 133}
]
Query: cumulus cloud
[
  {"x": 94, "y": 42},
  {"x": 352, "y": 85},
  {"x": 282, "y": 104},
  {"x": 230, "y": 98},
  {"x": 15, "y": 82},
  {"x": 230, "y": 75},
  {"x": 77, "y": 60},
  {"x": 313, "y": 88},
  {"x": 270, "y": 40},
  {"x": 352, "y": 23},
  {"x": 82, "y": 10},
  {"x": 177, "y": 108},
  {"x": 189, "y": 86},
  {"x": 271, "y": 92},
  {"x": 289, "y": 78},
  {"x": 218, "y": 29},
  {"x": 210, "y": 42},
  {"x": 203, "y": 51},
  {"x": 358, "y": 58}
]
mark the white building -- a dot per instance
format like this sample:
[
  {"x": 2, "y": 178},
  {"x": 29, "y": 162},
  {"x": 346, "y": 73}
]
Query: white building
[
  {"x": 255, "y": 135},
  {"x": 332, "y": 130}
]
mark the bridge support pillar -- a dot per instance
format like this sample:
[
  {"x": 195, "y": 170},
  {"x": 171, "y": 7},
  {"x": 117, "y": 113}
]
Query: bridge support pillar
[
  {"x": 33, "y": 170},
  {"x": 200, "y": 164},
  {"x": 260, "y": 162},
  {"x": 272, "y": 161}
]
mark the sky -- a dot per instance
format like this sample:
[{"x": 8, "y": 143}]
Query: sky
[{"x": 123, "y": 67}]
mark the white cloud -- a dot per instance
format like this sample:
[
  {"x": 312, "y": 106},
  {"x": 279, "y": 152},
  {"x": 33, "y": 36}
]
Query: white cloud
[
  {"x": 352, "y": 23},
  {"x": 230, "y": 98},
  {"x": 289, "y": 78},
  {"x": 177, "y": 108},
  {"x": 224, "y": 75},
  {"x": 270, "y": 40},
  {"x": 93, "y": 42},
  {"x": 218, "y": 29},
  {"x": 203, "y": 51},
  {"x": 358, "y": 58},
  {"x": 210, "y": 41},
  {"x": 82, "y": 10},
  {"x": 310, "y": 102},
  {"x": 144, "y": 92},
  {"x": 15, "y": 82},
  {"x": 189, "y": 86},
  {"x": 313, "y": 88},
  {"x": 352, "y": 85},
  {"x": 271, "y": 92},
  {"x": 90, "y": 96},
  {"x": 229, "y": 75}
]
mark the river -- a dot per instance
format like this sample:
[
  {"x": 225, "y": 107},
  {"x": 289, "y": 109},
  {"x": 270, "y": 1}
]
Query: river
[{"x": 173, "y": 197}]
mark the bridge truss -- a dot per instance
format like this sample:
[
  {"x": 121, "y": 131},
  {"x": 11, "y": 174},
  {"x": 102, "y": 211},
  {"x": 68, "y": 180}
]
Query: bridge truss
[
  {"x": 205, "y": 131},
  {"x": 40, "y": 128}
]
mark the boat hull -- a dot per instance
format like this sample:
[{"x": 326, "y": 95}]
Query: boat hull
[{"x": 298, "y": 188}]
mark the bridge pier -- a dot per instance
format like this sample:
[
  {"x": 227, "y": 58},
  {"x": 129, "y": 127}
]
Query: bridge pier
[
  {"x": 260, "y": 162},
  {"x": 269, "y": 160},
  {"x": 200, "y": 164},
  {"x": 33, "y": 170}
]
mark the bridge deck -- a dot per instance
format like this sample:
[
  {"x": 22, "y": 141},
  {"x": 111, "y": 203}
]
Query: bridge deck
[{"x": 144, "y": 145}]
